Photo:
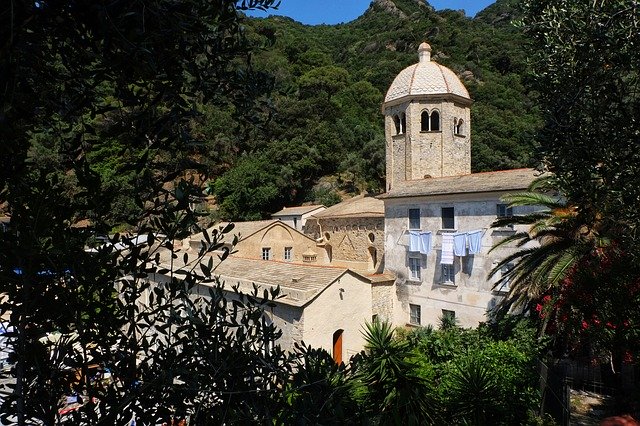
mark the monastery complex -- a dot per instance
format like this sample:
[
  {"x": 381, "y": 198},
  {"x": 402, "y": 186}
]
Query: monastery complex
[{"x": 411, "y": 256}]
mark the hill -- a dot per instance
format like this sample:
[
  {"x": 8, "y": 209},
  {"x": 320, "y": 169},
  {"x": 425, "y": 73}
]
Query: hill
[{"x": 328, "y": 83}]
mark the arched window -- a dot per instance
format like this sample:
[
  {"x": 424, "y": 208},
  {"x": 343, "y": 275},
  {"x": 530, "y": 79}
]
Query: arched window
[
  {"x": 329, "y": 251},
  {"x": 403, "y": 123},
  {"x": 373, "y": 258},
  {"x": 424, "y": 121},
  {"x": 435, "y": 121},
  {"x": 396, "y": 121},
  {"x": 460, "y": 127}
]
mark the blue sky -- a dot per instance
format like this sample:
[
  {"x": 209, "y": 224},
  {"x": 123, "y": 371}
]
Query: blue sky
[{"x": 336, "y": 11}]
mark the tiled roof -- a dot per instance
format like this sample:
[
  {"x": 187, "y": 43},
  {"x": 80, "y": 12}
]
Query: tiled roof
[
  {"x": 425, "y": 78},
  {"x": 360, "y": 206},
  {"x": 299, "y": 283},
  {"x": 505, "y": 180},
  {"x": 300, "y": 210}
]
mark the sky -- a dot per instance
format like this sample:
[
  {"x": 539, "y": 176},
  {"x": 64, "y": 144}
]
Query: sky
[{"x": 314, "y": 12}]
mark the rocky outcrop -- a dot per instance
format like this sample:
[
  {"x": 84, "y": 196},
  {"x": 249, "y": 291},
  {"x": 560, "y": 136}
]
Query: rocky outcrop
[{"x": 390, "y": 7}]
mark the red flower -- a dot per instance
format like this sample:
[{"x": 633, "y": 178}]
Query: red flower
[
  {"x": 611, "y": 326},
  {"x": 627, "y": 357},
  {"x": 585, "y": 325}
]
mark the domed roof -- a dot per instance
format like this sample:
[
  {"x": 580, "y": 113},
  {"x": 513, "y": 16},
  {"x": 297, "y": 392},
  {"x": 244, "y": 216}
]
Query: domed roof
[{"x": 425, "y": 78}]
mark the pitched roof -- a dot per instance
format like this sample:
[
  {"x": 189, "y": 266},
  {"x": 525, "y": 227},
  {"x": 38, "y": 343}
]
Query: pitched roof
[
  {"x": 299, "y": 283},
  {"x": 245, "y": 229},
  {"x": 505, "y": 180},
  {"x": 360, "y": 206},
  {"x": 299, "y": 210}
]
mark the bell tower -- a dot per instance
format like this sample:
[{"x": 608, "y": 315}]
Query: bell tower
[{"x": 427, "y": 123}]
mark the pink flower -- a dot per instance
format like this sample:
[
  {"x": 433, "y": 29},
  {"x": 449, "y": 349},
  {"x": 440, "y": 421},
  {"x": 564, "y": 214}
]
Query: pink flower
[{"x": 585, "y": 325}]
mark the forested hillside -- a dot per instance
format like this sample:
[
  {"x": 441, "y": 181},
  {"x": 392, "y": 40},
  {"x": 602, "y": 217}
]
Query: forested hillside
[
  {"x": 315, "y": 127},
  {"x": 328, "y": 85}
]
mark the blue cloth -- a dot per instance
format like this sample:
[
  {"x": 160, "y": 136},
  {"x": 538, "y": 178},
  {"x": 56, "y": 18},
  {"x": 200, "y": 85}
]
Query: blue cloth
[
  {"x": 475, "y": 241},
  {"x": 414, "y": 241},
  {"x": 425, "y": 243},
  {"x": 460, "y": 244},
  {"x": 446, "y": 257}
]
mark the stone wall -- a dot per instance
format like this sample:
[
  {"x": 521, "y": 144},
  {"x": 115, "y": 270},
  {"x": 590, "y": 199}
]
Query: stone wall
[
  {"x": 382, "y": 298},
  {"x": 356, "y": 242}
]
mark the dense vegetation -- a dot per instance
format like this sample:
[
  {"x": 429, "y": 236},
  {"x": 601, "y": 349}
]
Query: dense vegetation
[
  {"x": 308, "y": 127},
  {"x": 326, "y": 128}
]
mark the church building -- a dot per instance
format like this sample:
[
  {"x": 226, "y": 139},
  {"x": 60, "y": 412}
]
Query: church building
[{"x": 438, "y": 214}]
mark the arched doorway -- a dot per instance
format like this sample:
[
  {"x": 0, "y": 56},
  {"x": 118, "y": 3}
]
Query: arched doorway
[{"x": 337, "y": 346}]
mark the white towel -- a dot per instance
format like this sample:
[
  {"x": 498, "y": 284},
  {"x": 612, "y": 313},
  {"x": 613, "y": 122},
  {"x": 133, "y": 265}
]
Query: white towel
[
  {"x": 425, "y": 243},
  {"x": 414, "y": 241},
  {"x": 460, "y": 244},
  {"x": 447, "y": 249},
  {"x": 475, "y": 241}
]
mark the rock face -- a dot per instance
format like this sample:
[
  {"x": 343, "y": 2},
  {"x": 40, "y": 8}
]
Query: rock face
[{"x": 390, "y": 7}]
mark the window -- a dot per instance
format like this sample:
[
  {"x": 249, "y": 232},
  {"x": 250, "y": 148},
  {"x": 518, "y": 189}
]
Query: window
[
  {"x": 504, "y": 210},
  {"x": 448, "y": 218},
  {"x": 449, "y": 316},
  {"x": 458, "y": 127},
  {"x": 414, "y": 218},
  {"x": 414, "y": 314},
  {"x": 396, "y": 122},
  {"x": 448, "y": 274},
  {"x": 430, "y": 122},
  {"x": 424, "y": 121},
  {"x": 504, "y": 286},
  {"x": 266, "y": 253},
  {"x": 435, "y": 121},
  {"x": 403, "y": 123},
  {"x": 287, "y": 254},
  {"x": 414, "y": 268}
]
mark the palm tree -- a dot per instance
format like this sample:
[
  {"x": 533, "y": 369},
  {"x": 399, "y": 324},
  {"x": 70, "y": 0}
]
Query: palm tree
[
  {"x": 390, "y": 379},
  {"x": 556, "y": 241}
]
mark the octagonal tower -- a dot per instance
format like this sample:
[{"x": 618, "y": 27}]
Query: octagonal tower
[{"x": 427, "y": 123}]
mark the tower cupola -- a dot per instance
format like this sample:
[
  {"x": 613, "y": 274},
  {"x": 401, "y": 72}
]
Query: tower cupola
[{"x": 427, "y": 123}]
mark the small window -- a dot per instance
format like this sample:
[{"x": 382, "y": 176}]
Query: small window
[
  {"x": 424, "y": 121},
  {"x": 414, "y": 268},
  {"x": 449, "y": 316},
  {"x": 459, "y": 127},
  {"x": 448, "y": 274},
  {"x": 504, "y": 286},
  {"x": 448, "y": 218},
  {"x": 396, "y": 122},
  {"x": 415, "y": 314},
  {"x": 503, "y": 210},
  {"x": 435, "y": 121},
  {"x": 414, "y": 218},
  {"x": 266, "y": 253},
  {"x": 403, "y": 123},
  {"x": 287, "y": 254}
]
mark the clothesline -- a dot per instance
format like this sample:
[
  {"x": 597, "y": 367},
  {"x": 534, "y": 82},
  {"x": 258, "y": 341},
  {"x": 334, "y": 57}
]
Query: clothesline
[{"x": 453, "y": 244}]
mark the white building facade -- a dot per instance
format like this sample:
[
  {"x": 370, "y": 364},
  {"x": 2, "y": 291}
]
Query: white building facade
[{"x": 438, "y": 214}]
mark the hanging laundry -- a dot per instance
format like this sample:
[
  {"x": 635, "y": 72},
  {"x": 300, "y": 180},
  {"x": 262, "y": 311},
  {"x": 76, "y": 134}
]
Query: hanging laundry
[
  {"x": 425, "y": 243},
  {"x": 446, "y": 257},
  {"x": 474, "y": 238},
  {"x": 414, "y": 241},
  {"x": 460, "y": 244}
]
